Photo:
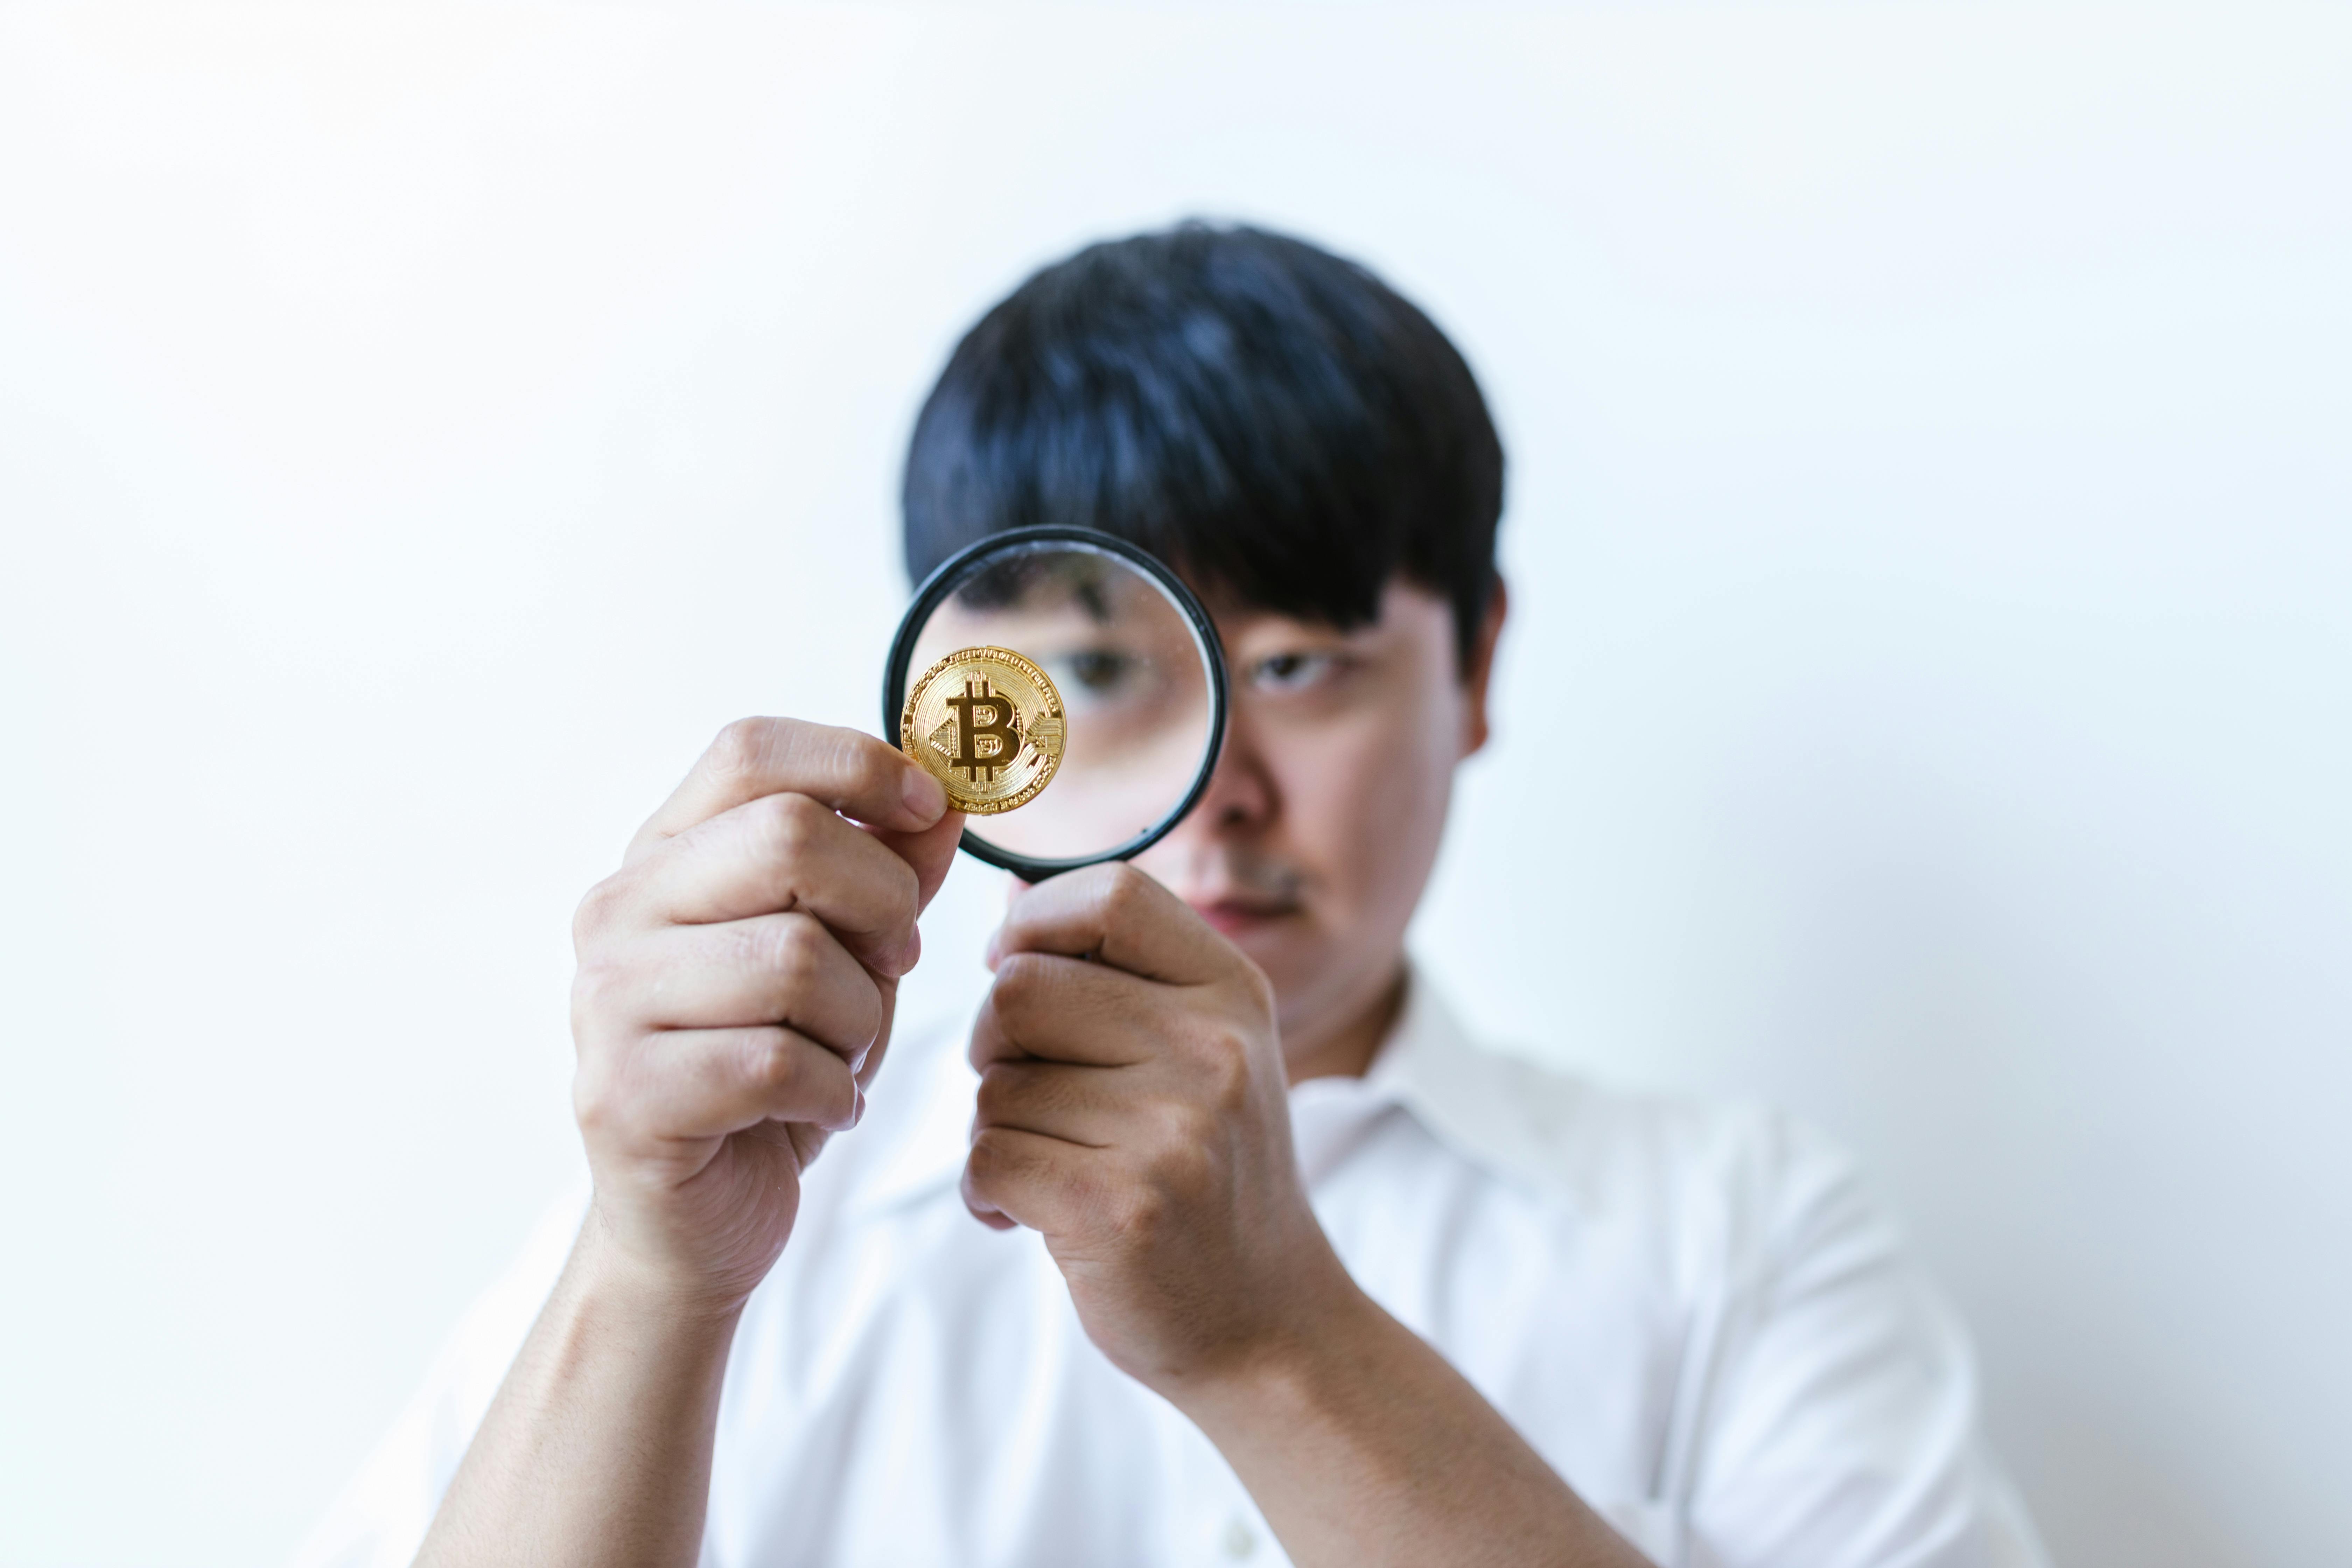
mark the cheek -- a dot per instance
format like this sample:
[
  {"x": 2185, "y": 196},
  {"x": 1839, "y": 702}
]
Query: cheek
[{"x": 1366, "y": 798}]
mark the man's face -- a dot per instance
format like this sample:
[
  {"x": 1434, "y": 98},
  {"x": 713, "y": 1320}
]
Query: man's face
[{"x": 1315, "y": 838}]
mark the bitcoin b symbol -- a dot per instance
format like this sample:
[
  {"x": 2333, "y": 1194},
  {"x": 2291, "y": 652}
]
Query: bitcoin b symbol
[
  {"x": 1000, "y": 728},
  {"x": 996, "y": 743}
]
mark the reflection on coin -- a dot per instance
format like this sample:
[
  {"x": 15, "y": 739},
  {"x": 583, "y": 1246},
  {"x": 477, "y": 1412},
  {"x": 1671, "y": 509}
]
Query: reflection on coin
[{"x": 988, "y": 724}]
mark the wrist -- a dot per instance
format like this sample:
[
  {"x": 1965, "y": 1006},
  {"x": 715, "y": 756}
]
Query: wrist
[
  {"x": 1281, "y": 1372},
  {"x": 627, "y": 1286}
]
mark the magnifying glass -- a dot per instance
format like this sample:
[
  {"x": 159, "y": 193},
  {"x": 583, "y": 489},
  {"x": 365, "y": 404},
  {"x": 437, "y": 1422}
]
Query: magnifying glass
[{"x": 1066, "y": 689}]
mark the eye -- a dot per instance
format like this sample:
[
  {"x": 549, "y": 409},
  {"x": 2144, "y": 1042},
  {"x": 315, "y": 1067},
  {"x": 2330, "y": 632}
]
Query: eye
[
  {"x": 1099, "y": 669},
  {"x": 1292, "y": 671},
  {"x": 1098, "y": 675}
]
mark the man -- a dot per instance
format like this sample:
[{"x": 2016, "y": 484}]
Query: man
[{"x": 1269, "y": 1259}]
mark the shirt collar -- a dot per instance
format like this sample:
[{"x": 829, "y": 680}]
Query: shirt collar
[
  {"x": 1472, "y": 1101},
  {"x": 1485, "y": 1107}
]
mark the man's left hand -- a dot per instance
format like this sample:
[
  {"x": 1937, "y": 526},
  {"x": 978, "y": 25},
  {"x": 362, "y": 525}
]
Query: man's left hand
[{"x": 1134, "y": 1110}]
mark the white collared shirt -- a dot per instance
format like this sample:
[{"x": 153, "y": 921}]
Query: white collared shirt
[{"x": 1691, "y": 1312}]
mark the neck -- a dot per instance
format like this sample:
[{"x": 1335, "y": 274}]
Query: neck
[{"x": 1346, "y": 1046}]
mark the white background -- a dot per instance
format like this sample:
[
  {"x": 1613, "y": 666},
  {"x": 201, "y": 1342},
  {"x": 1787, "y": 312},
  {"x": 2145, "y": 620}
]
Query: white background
[{"x": 1927, "y": 705}]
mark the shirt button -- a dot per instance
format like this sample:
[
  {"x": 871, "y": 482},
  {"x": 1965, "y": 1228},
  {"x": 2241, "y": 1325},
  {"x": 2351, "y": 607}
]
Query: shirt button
[{"x": 1240, "y": 1539}]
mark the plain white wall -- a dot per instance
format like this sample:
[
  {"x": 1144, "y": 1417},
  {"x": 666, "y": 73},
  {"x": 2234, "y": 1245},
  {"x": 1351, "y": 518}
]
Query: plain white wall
[{"x": 1927, "y": 703}]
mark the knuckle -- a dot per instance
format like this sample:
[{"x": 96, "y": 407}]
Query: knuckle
[
  {"x": 1124, "y": 892},
  {"x": 1031, "y": 973},
  {"x": 789, "y": 822},
  {"x": 791, "y": 948},
  {"x": 1020, "y": 979},
  {"x": 1229, "y": 1077},
  {"x": 786, "y": 1072},
  {"x": 1181, "y": 1157},
  {"x": 1007, "y": 1089},
  {"x": 770, "y": 1064},
  {"x": 898, "y": 905},
  {"x": 988, "y": 1160},
  {"x": 990, "y": 1099},
  {"x": 1183, "y": 1127},
  {"x": 870, "y": 1011},
  {"x": 739, "y": 747},
  {"x": 1260, "y": 990},
  {"x": 596, "y": 1105},
  {"x": 1136, "y": 1208},
  {"x": 863, "y": 762},
  {"x": 599, "y": 910}
]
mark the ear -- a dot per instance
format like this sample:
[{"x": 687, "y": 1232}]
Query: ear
[{"x": 1478, "y": 669}]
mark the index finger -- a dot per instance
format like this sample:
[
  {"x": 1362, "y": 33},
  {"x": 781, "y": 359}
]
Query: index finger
[
  {"x": 1115, "y": 913},
  {"x": 852, "y": 773}
]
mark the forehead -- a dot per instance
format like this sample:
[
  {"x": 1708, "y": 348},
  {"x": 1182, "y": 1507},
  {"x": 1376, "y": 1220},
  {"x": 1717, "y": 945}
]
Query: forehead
[{"x": 1407, "y": 612}]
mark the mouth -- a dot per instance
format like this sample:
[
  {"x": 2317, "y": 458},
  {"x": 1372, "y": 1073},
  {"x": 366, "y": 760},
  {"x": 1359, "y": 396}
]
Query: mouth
[
  {"x": 1238, "y": 917},
  {"x": 1241, "y": 894}
]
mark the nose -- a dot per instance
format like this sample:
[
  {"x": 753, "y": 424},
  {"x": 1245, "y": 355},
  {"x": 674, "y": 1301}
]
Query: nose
[{"x": 1243, "y": 796}]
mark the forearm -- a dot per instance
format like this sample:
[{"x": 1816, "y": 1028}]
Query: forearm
[
  {"x": 597, "y": 1449},
  {"x": 1366, "y": 1447}
]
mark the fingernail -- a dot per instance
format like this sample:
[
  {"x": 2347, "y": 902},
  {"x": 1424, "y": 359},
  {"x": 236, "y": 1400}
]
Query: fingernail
[
  {"x": 924, "y": 795},
  {"x": 857, "y": 1112}
]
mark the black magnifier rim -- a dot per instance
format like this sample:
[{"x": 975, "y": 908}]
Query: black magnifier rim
[{"x": 951, "y": 574}]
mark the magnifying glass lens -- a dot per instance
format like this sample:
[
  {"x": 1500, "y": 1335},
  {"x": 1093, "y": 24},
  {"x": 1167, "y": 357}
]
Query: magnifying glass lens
[{"x": 1131, "y": 673}]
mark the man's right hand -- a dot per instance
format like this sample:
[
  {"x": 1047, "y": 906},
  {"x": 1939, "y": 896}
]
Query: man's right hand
[{"x": 736, "y": 983}]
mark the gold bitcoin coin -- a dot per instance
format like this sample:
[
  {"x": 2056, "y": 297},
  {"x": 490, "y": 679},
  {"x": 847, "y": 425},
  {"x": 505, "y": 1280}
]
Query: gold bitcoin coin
[{"x": 988, "y": 724}]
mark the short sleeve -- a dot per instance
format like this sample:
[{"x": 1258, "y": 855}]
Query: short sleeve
[
  {"x": 1842, "y": 1424},
  {"x": 381, "y": 1517}
]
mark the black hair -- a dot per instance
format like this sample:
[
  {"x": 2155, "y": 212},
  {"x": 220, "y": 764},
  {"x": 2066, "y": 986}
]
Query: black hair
[{"x": 1270, "y": 420}]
